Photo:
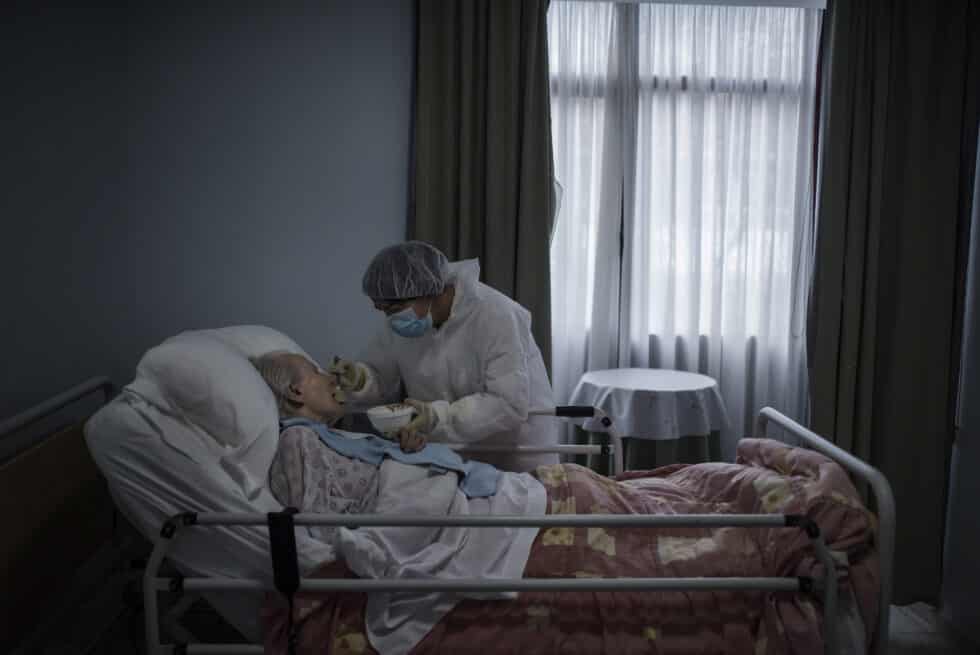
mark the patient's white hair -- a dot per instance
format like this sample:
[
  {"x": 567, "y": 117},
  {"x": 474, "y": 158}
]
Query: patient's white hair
[{"x": 278, "y": 372}]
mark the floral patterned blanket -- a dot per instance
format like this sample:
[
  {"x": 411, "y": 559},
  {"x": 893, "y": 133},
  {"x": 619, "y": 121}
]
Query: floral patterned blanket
[{"x": 768, "y": 477}]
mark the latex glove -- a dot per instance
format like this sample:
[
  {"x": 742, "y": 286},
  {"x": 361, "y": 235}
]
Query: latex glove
[
  {"x": 425, "y": 419},
  {"x": 350, "y": 376},
  {"x": 412, "y": 437},
  {"x": 410, "y": 440}
]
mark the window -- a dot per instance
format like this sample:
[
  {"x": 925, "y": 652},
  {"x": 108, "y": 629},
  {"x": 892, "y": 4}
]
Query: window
[{"x": 683, "y": 139}]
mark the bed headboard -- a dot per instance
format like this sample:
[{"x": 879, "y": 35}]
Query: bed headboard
[{"x": 56, "y": 512}]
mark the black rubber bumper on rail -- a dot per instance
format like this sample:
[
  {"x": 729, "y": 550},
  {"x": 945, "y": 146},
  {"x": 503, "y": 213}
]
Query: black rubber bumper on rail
[
  {"x": 171, "y": 524},
  {"x": 580, "y": 411},
  {"x": 805, "y": 523}
]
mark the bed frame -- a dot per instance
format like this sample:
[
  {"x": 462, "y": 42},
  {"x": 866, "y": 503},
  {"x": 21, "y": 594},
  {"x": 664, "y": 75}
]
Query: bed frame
[
  {"x": 598, "y": 422},
  {"x": 68, "y": 503},
  {"x": 281, "y": 551}
]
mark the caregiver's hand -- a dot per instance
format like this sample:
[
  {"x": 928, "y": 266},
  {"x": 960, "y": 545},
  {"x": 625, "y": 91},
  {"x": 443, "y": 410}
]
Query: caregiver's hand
[
  {"x": 425, "y": 419},
  {"x": 412, "y": 437},
  {"x": 350, "y": 375},
  {"x": 410, "y": 440}
]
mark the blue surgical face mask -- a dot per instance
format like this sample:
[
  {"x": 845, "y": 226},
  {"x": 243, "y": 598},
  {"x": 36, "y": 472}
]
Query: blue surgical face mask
[{"x": 407, "y": 323}]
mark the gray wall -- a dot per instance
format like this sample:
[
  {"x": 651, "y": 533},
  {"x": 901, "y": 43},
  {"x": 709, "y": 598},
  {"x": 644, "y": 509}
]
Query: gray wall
[{"x": 179, "y": 168}]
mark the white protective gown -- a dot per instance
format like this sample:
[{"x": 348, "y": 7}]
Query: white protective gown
[{"x": 482, "y": 371}]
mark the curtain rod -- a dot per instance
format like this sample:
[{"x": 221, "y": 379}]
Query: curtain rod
[{"x": 798, "y": 4}]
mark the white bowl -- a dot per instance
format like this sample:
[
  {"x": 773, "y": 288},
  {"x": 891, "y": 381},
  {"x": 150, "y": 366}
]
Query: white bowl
[{"x": 387, "y": 419}]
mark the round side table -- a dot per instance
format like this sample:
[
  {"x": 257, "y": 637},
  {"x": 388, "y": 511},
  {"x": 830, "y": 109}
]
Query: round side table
[{"x": 669, "y": 416}]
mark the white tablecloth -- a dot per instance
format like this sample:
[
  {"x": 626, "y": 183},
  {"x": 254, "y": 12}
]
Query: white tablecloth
[{"x": 654, "y": 403}]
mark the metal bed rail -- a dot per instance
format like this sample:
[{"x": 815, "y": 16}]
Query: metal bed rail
[
  {"x": 51, "y": 405},
  {"x": 171, "y": 529},
  {"x": 884, "y": 500},
  {"x": 600, "y": 422}
]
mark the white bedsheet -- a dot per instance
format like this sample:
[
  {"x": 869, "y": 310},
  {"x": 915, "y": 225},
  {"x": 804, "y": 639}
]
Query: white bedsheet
[
  {"x": 151, "y": 480},
  {"x": 396, "y": 622}
]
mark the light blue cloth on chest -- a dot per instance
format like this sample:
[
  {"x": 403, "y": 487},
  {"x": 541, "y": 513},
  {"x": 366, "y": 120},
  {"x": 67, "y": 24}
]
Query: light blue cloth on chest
[{"x": 476, "y": 479}]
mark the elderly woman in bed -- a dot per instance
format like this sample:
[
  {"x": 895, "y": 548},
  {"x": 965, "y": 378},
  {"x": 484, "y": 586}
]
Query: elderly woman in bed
[
  {"x": 305, "y": 472},
  {"x": 320, "y": 469}
]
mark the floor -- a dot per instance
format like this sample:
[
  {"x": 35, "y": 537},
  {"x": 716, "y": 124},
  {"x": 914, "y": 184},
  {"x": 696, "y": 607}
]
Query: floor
[
  {"x": 105, "y": 610},
  {"x": 920, "y": 630}
]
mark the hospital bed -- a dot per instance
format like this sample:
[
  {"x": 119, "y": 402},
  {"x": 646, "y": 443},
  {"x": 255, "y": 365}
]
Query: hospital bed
[
  {"x": 230, "y": 562},
  {"x": 46, "y": 504}
]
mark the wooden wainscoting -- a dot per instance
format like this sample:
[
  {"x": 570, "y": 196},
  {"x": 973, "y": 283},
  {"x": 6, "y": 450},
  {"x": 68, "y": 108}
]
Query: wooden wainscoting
[{"x": 55, "y": 511}]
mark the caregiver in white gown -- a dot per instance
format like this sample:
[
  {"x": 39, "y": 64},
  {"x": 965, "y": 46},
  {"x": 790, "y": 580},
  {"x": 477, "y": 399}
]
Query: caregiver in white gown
[{"x": 459, "y": 351}]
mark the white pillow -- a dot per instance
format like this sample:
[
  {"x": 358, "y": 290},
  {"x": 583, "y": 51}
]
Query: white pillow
[
  {"x": 205, "y": 379},
  {"x": 255, "y": 340},
  {"x": 208, "y": 384}
]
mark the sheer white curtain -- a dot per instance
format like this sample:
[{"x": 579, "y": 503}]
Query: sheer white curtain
[
  {"x": 580, "y": 57},
  {"x": 683, "y": 138}
]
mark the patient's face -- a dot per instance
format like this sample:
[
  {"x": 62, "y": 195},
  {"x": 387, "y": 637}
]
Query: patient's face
[{"x": 317, "y": 390}]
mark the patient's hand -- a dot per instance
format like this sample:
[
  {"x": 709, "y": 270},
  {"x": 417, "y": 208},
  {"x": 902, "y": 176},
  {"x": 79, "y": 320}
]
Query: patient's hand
[{"x": 411, "y": 440}]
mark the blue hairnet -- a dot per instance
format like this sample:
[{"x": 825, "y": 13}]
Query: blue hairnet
[{"x": 407, "y": 270}]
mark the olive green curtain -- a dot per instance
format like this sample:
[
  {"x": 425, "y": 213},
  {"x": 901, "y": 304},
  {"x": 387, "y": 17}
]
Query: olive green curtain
[{"x": 483, "y": 171}]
